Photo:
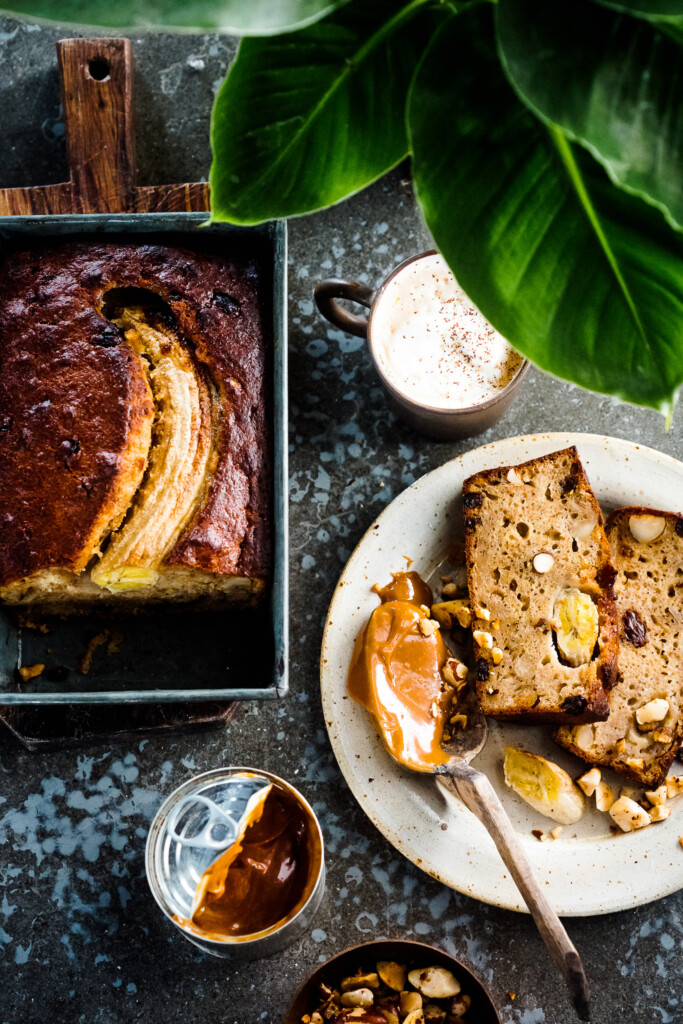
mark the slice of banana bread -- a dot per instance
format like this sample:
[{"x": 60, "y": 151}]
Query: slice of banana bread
[
  {"x": 645, "y": 727},
  {"x": 540, "y": 585}
]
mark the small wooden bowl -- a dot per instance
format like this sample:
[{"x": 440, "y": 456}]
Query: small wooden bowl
[{"x": 414, "y": 954}]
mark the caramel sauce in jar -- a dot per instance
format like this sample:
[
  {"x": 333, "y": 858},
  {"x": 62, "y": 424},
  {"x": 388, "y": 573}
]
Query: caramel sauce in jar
[
  {"x": 396, "y": 673},
  {"x": 262, "y": 880}
]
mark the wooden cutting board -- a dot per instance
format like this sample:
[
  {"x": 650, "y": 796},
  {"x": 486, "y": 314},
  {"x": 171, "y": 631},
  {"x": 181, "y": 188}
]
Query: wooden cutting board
[{"x": 96, "y": 77}]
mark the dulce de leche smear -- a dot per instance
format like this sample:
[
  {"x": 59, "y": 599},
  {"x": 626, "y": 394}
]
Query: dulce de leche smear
[
  {"x": 264, "y": 878},
  {"x": 396, "y": 673},
  {"x": 432, "y": 343}
]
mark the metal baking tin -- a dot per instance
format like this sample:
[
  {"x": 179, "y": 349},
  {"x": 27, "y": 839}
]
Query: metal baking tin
[
  {"x": 174, "y": 869},
  {"x": 168, "y": 655}
]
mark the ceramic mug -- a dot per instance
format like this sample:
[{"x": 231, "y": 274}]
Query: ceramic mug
[{"x": 441, "y": 423}]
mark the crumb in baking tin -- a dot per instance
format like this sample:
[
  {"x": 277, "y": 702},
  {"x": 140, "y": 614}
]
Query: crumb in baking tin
[
  {"x": 112, "y": 639},
  {"x": 30, "y": 671}
]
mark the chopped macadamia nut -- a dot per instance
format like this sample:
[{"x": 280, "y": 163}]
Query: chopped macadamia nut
[
  {"x": 454, "y": 672},
  {"x": 483, "y": 613},
  {"x": 556, "y": 832},
  {"x": 674, "y": 785},
  {"x": 654, "y": 711},
  {"x": 514, "y": 477},
  {"x": 590, "y": 781},
  {"x": 428, "y": 626},
  {"x": 628, "y": 815},
  {"x": 496, "y": 655},
  {"x": 656, "y": 796},
  {"x": 646, "y": 528},
  {"x": 584, "y": 529},
  {"x": 660, "y": 813},
  {"x": 483, "y": 639},
  {"x": 543, "y": 562},
  {"x": 583, "y": 735},
  {"x": 635, "y": 763},
  {"x": 604, "y": 797}
]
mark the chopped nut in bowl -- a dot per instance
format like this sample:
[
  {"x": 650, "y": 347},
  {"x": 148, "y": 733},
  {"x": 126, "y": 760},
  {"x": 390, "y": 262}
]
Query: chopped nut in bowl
[{"x": 392, "y": 982}]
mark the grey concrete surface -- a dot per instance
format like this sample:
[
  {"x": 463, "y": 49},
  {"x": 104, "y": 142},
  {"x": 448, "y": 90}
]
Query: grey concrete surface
[{"x": 80, "y": 938}]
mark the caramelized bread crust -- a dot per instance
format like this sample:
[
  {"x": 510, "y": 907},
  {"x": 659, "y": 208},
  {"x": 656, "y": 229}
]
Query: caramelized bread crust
[
  {"x": 76, "y": 408},
  {"x": 513, "y": 513},
  {"x": 649, "y": 592}
]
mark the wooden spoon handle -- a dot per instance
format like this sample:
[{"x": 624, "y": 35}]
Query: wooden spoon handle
[{"x": 477, "y": 793}]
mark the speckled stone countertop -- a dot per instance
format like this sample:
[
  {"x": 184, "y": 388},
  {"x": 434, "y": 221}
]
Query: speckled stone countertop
[{"x": 81, "y": 939}]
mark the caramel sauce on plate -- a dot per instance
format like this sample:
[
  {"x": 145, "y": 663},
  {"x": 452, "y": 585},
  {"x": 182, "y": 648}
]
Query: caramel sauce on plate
[
  {"x": 396, "y": 674},
  {"x": 264, "y": 878}
]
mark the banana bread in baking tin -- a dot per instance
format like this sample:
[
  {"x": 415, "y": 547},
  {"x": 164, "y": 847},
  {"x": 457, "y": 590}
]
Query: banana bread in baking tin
[
  {"x": 134, "y": 430},
  {"x": 644, "y": 730},
  {"x": 540, "y": 587}
]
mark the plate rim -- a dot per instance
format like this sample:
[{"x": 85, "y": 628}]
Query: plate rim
[{"x": 563, "y": 439}]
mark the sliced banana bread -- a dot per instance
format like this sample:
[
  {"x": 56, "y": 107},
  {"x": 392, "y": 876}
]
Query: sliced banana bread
[
  {"x": 644, "y": 730},
  {"x": 540, "y": 585}
]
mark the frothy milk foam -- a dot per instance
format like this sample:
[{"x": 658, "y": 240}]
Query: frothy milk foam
[{"x": 432, "y": 343}]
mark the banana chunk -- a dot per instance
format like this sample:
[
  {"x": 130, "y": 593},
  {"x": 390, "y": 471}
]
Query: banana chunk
[
  {"x": 575, "y": 622},
  {"x": 544, "y": 786}
]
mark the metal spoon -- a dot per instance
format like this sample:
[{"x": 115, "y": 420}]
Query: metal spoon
[{"x": 477, "y": 793}]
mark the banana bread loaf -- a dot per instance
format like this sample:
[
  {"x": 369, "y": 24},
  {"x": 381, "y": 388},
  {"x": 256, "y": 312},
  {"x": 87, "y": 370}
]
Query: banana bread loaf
[
  {"x": 644, "y": 729},
  {"x": 540, "y": 588},
  {"x": 134, "y": 438}
]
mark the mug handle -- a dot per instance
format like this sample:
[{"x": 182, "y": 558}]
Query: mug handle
[{"x": 326, "y": 294}]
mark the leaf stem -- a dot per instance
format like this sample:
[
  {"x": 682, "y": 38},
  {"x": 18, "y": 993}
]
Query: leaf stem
[{"x": 567, "y": 156}]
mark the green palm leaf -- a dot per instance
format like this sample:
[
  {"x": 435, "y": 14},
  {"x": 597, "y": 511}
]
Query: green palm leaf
[
  {"x": 242, "y": 17},
  {"x": 304, "y": 120},
  {"x": 613, "y": 83},
  {"x": 583, "y": 278}
]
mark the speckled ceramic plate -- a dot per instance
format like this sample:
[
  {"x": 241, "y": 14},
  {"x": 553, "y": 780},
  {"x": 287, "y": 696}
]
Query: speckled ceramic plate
[{"x": 588, "y": 870}]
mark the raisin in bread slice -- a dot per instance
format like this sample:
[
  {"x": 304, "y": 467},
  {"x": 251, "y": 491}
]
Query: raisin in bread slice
[
  {"x": 540, "y": 585},
  {"x": 644, "y": 730}
]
